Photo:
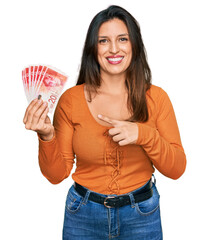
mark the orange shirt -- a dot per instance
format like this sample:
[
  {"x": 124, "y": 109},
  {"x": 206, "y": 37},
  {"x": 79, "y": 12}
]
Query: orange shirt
[{"x": 101, "y": 164}]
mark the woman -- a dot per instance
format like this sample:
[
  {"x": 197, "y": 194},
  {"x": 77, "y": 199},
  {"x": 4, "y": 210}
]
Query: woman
[{"x": 120, "y": 127}]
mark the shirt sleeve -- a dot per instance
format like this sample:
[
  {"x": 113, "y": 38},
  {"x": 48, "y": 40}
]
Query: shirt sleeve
[
  {"x": 163, "y": 144},
  {"x": 56, "y": 157}
]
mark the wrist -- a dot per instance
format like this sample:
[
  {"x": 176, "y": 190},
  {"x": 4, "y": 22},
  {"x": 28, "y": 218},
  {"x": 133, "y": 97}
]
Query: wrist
[{"x": 47, "y": 137}]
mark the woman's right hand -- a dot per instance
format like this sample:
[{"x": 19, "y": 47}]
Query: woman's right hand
[{"x": 36, "y": 119}]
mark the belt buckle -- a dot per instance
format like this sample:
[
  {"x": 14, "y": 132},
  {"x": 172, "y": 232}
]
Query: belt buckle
[{"x": 105, "y": 201}]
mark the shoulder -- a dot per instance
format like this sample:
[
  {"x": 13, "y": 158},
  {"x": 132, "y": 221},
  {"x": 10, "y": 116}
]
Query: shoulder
[
  {"x": 157, "y": 95},
  {"x": 156, "y": 92},
  {"x": 72, "y": 93},
  {"x": 69, "y": 100},
  {"x": 158, "y": 100}
]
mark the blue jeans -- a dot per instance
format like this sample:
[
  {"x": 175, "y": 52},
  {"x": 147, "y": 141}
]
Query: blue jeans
[{"x": 87, "y": 220}]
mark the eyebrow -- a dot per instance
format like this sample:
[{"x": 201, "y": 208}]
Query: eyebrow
[{"x": 120, "y": 35}]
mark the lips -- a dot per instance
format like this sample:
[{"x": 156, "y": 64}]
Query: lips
[{"x": 115, "y": 59}]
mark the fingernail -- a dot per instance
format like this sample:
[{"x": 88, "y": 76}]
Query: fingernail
[{"x": 39, "y": 97}]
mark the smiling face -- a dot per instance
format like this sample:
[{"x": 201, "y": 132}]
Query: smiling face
[{"x": 114, "y": 48}]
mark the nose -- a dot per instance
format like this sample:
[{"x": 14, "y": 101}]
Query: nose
[{"x": 114, "y": 48}]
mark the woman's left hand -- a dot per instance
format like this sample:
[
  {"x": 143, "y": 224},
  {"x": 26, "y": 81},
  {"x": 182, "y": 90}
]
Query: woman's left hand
[{"x": 123, "y": 132}]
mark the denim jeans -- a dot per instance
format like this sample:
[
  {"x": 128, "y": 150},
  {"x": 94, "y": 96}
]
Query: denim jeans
[{"x": 88, "y": 220}]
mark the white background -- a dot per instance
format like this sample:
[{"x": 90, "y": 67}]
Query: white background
[{"x": 53, "y": 32}]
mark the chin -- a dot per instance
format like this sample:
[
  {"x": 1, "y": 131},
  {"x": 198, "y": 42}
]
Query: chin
[{"x": 117, "y": 72}]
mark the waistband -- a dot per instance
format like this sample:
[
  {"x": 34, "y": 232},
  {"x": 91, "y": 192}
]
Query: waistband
[{"x": 140, "y": 195}]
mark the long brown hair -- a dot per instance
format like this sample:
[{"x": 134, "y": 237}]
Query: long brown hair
[{"x": 138, "y": 75}]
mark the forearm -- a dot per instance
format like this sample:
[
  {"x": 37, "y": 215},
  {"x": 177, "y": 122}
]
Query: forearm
[
  {"x": 169, "y": 158},
  {"x": 51, "y": 161}
]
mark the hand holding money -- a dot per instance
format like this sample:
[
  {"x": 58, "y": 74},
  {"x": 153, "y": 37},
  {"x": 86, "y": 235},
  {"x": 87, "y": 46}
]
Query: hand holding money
[
  {"x": 45, "y": 81},
  {"x": 43, "y": 86},
  {"x": 36, "y": 119}
]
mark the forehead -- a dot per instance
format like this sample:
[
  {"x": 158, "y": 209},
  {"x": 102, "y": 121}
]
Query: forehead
[{"x": 113, "y": 27}]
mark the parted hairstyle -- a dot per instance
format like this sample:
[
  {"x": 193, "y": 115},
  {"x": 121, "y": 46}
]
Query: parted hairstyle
[{"x": 138, "y": 74}]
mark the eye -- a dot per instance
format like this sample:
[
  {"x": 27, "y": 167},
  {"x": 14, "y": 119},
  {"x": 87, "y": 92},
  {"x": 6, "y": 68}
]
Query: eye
[
  {"x": 103, "y": 41},
  {"x": 123, "y": 39}
]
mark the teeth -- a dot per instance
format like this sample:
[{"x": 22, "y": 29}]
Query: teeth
[{"x": 115, "y": 59}]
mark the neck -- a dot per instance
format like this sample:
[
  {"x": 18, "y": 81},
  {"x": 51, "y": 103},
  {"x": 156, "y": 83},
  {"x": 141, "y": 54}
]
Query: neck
[{"x": 114, "y": 84}]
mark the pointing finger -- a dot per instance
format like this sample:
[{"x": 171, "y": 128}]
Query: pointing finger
[{"x": 107, "y": 119}]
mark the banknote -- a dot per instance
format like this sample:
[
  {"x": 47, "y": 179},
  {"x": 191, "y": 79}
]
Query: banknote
[{"x": 43, "y": 80}]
